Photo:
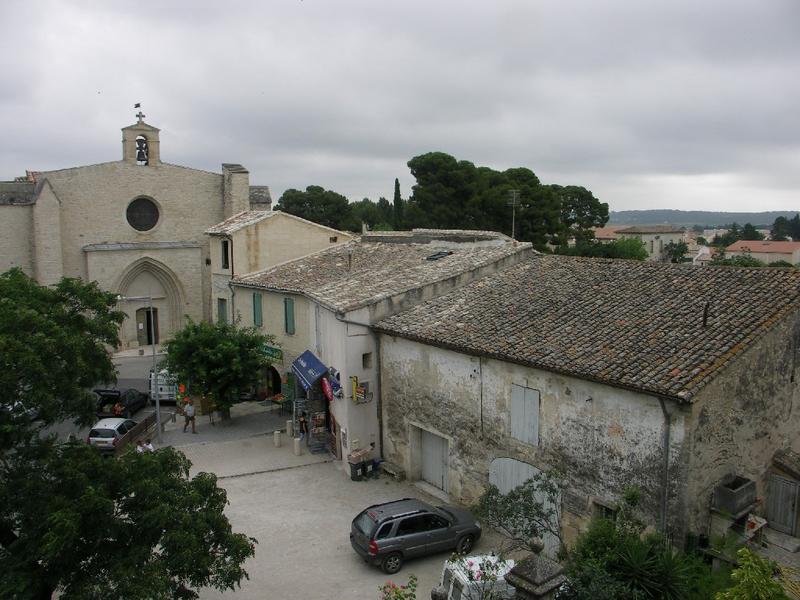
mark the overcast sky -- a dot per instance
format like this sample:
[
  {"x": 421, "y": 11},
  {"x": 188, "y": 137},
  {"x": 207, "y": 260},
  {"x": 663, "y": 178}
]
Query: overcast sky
[{"x": 689, "y": 104}]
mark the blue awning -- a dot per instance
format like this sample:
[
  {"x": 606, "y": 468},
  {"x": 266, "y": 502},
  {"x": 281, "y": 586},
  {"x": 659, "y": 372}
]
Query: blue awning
[{"x": 308, "y": 369}]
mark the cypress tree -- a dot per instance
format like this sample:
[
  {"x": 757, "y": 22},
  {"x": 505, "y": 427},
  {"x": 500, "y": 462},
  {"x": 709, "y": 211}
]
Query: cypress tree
[{"x": 398, "y": 206}]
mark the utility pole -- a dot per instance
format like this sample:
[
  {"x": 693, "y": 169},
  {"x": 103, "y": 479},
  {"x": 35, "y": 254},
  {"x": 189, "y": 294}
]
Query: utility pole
[{"x": 513, "y": 202}]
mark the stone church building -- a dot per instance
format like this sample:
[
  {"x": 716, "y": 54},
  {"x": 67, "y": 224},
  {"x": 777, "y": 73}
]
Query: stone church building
[{"x": 136, "y": 226}]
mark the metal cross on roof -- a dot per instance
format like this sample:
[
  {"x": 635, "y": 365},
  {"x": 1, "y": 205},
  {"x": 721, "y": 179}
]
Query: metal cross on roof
[{"x": 141, "y": 116}]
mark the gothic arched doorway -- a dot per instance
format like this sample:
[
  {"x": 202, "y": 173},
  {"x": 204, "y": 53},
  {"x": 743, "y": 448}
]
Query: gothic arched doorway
[{"x": 148, "y": 284}]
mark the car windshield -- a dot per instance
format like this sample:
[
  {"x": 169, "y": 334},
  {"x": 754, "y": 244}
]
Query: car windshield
[
  {"x": 364, "y": 523},
  {"x": 101, "y": 433}
]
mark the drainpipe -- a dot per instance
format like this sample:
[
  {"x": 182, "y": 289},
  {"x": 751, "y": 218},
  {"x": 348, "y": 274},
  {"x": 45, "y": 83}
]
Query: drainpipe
[
  {"x": 665, "y": 481},
  {"x": 230, "y": 281}
]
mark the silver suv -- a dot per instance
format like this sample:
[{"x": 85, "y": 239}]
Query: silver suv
[{"x": 388, "y": 534}]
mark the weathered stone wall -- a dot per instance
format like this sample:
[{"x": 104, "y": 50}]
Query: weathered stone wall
[
  {"x": 741, "y": 418},
  {"x": 47, "y": 237},
  {"x": 602, "y": 439},
  {"x": 16, "y": 239}
]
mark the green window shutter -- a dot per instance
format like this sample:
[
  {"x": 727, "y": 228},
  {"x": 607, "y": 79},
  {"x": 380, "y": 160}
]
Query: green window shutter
[
  {"x": 288, "y": 315},
  {"x": 258, "y": 319}
]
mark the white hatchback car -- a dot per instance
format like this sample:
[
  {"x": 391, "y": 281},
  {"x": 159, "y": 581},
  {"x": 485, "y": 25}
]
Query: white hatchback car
[
  {"x": 107, "y": 433},
  {"x": 462, "y": 578}
]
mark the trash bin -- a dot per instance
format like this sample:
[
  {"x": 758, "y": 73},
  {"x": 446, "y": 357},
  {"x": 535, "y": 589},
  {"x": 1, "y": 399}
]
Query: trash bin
[{"x": 355, "y": 471}]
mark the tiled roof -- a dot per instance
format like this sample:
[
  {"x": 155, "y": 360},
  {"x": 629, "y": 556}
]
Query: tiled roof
[
  {"x": 637, "y": 325},
  {"x": 239, "y": 221},
  {"x": 763, "y": 246},
  {"x": 260, "y": 196},
  {"x": 357, "y": 274},
  {"x": 650, "y": 229},
  {"x": 607, "y": 233}
]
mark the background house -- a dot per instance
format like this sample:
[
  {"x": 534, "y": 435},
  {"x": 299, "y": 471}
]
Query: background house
[
  {"x": 255, "y": 240},
  {"x": 654, "y": 237},
  {"x": 766, "y": 251},
  {"x": 614, "y": 373}
]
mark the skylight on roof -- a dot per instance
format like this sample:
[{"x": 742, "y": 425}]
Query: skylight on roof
[{"x": 439, "y": 255}]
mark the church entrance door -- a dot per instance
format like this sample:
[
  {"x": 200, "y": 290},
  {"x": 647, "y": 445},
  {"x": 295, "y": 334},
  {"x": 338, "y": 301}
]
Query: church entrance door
[{"x": 144, "y": 331}]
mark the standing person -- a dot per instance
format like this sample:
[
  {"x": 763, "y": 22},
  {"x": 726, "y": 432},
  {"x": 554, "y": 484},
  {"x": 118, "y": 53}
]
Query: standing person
[
  {"x": 303, "y": 422},
  {"x": 118, "y": 409},
  {"x": 139, "y": 447},
  {"x": 188, "y": 413}
]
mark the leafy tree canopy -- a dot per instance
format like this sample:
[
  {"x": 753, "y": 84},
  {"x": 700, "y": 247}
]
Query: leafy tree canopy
[
  {"x": 91, "y": 528},
  {"x": 218, "y": 360},
  {"x": 753, "y": 580},
  {"x": 630, "y": 248},
  {"x": 318, "y": 205},
  {"x": 742, "y": 260},
  {"x": 786, "y": 229},
  {"x": 53, "y": 344},
  {"x": 136, "y": 527},
  {"x": 675, "y": 251}
]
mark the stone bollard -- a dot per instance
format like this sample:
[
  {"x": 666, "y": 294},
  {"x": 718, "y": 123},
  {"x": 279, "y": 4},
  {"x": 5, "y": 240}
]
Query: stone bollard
[
  {"x": 438, "y": 593},
  {"x": 276, "y": 438},
  {"x": 297, "y": 451},
  {"x": 289, "y": 428}
]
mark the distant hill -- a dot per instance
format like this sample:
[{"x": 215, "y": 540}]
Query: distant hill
[{"x": 695, "y": 217}]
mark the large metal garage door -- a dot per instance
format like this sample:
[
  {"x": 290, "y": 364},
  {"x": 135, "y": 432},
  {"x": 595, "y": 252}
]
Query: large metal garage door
[
  {"x": 434, "y": 460},
  {"x": 508, "y": 473}
]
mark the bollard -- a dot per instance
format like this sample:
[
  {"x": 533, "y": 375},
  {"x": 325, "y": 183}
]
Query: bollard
[
  {"x": 297, "y": 451},
  {"x": 277, "y": 438},
  {"x": 289, "y": 428}
]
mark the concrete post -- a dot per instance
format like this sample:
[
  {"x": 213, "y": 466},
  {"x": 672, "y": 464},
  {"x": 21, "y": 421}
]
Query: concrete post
[
  {"x": 297, "y": 451},
  {"x": 276, "y": 438},
  {"x": 289, "y": 428}
]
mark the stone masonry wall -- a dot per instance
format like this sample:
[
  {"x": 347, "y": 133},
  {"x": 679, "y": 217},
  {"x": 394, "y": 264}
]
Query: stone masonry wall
[
  {"x": 745, "y": 415},
  {"x": 602, "y": 439},
  {"x": 16, "y": 238}
]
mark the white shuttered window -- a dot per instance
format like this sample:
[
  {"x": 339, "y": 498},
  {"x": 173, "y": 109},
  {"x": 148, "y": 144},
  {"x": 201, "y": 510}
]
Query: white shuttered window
[{"x": 525, "y": 414}]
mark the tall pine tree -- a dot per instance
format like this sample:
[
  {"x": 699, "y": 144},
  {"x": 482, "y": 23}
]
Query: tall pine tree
[{"x": 398, "y": 206}]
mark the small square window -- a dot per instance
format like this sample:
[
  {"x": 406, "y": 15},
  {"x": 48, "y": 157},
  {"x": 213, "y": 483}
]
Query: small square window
[
  {"x": 333, "y": 239},
  {"x": 366, "y": 360},
  {"x": 604, "y": 510}
]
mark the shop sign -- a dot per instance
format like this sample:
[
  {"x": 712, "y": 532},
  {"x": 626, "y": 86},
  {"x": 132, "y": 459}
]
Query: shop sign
[
  {"x": 359, "y": 392},
  {"x": 272, "y": 353}
]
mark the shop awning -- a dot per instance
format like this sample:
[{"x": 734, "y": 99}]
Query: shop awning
[{"x": 308, "y": 369}]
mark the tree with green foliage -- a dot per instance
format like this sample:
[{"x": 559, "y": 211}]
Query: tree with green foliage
[
  {"x": 780, "y": 230},
  {"x": 318, "y": 205},
  {"x": 627, "y": 248},
  {"x": 781, "y": 264},
  {"x": 217, "y": 360},
  {"x": 749, "y": 232},
  {"x": 701, "y": 241},
  {"x": 614, "y": 559},
  {"x": 525, "y": 514},
  {"x": 397, "y": 205},
  {"x": 741, "y": 260},
  {"x": 753, "y": 580},
  {"x": 69, "y": 520},
  {"x": 675, "y": 251},
  {"x": 136, "y": 527},
  {"x": 581, "y": 212}
]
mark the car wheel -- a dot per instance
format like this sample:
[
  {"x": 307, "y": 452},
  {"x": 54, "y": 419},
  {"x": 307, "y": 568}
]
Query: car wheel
[
  {"x": 465, "y": 544},
  {"x": 391, "y": 563}
]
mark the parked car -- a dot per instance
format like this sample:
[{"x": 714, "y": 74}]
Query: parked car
[
  {"x": 107, "y": 434},
  {"x": 387, "y": 534},
  {"x": 460, "y": 584},
  {"x": 131, "y": 399}
]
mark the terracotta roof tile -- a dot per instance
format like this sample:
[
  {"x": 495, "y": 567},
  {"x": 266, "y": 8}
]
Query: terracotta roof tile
[{"x": 633, "y": 324}]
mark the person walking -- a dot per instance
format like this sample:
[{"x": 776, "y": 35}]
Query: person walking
[{"x": 188, "y": 413}]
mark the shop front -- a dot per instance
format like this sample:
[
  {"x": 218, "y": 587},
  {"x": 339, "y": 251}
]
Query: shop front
[{"x": 313, "y": 418}]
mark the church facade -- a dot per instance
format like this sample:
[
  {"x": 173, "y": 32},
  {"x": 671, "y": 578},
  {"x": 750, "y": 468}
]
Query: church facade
[{"x": 135, "y": 226}]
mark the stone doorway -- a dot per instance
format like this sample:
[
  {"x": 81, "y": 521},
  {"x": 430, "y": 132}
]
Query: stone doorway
[{"x": 147, "y": 326}]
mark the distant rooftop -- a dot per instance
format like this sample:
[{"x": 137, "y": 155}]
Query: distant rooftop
[
  {"x": 637, "y": 325},
  {"x": 650, "y": 229},
  {"x": 361, "y": 272},
  {"x": 767, "y": 246},
  {"x": 16, "y": 193}
]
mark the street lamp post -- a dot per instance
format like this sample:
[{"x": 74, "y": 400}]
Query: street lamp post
[{"x": 153, "y": 378}]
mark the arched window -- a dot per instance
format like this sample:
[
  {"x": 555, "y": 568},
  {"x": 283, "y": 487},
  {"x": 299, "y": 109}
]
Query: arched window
[{"x": 142, "y": 150}]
